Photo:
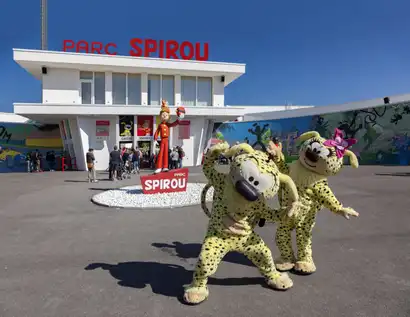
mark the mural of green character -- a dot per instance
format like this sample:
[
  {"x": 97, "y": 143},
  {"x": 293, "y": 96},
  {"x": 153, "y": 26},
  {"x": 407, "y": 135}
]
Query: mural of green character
[{"x": 262, "y": 136}]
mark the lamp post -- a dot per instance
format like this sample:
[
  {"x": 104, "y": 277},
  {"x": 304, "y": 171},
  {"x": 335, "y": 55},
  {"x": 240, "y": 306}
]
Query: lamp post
[{"x": 43, "y": 5}]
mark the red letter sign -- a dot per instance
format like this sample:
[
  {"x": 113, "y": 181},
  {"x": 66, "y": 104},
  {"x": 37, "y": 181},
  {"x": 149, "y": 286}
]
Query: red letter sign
[
  {"x": 167, "y": 182},
  {"x": 144, "y": 48}
]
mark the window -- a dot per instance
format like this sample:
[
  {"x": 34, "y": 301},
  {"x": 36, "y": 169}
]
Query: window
[
  {"x": 196, "y": 91},
  {"x": 204, "y": 92},
  {"x": 119, "y": 89},
  {"x": 154, "y": 90},
  {"x": 168, "y": 92},
  {"x": 126, "y": 89},
  {"x": 99, "y": 88},
  {"x": 161, "y": 87},
  {"x": 92, "y": 87},
  {"x": 134, "y": 89},
  {"x": 86, "y": 93}
]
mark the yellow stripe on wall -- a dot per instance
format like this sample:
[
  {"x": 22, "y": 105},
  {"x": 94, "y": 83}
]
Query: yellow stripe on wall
[{"x": 51, "y": 142}]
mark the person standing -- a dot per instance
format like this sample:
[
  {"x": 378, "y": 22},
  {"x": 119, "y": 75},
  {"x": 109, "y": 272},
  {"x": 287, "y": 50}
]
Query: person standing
[
  {"x": 174, "y": 158},
  {"x": 115, "y": 162},
  {"x": 35, "y": 159},
  {"x": 90, "y": 158},
  {"x": 29, "y": 163},
  {"x": 181, "y": 154},
  {"x": 51, "y": 160},
  {"x": 136, "y": 160}
]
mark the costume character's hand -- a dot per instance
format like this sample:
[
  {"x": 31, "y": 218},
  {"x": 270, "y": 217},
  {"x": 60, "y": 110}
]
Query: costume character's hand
[
  {"x": 273, "y": 149},
  {"x": 347, "y": 212}
]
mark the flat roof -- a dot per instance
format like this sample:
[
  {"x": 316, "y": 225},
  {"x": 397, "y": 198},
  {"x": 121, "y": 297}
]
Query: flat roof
[
  {"x": 349, "y": 106},
  {"x": 34, "y": 60}
]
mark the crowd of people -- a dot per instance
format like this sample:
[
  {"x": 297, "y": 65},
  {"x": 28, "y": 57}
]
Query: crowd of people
[
  {"x": 34, "y": 159},
  {"x": 127, "y": 161}
]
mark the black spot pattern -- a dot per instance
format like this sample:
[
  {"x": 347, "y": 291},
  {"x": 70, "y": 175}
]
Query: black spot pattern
[
  {"x": 314, "y": 198},
  {"x": 218, "y": 242}
]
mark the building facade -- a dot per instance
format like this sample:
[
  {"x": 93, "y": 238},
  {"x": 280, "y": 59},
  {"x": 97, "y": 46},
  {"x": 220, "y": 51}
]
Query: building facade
[{"x": 100, "y": 101}]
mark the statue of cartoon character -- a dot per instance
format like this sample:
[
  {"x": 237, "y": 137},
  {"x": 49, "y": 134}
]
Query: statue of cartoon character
[
  {"x": 163, "y": 132},
  {"x": 127, "y": 129}
]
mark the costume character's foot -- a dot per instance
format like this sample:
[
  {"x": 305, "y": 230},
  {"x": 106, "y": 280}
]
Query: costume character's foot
[
  {"x": 195, "y": 295},
  {"x": 165, "y": 169},
  {"x": 158, "y": 170},
  {"x": 305, "y": 268},
  {"x": 284, "y": 265},
  {"x": 282, "y": 282}
]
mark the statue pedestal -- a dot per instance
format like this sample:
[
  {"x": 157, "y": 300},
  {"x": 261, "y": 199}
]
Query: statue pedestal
[{"x": 165, "y": 182}]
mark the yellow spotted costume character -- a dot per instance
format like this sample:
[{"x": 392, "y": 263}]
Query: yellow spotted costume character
[
  {"x": 318, "y": 159},
  {"x": 242, "y": 194}
]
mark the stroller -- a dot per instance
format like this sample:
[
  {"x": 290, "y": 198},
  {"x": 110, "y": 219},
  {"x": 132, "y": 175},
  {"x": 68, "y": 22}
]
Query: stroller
[{"x": 125, "y": 170}]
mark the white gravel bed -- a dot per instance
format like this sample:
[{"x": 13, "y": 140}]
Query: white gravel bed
[{"x": 133, "y": 197}]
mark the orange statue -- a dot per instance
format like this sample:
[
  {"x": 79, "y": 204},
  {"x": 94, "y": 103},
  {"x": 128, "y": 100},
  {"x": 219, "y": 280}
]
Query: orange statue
[{"x": 163, "y": 132}]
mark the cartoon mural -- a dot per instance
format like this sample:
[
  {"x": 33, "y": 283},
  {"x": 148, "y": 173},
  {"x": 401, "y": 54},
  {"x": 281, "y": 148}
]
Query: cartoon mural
[
  {"x": 383, "y": 132},
  {"x": 19, "y": 139}
]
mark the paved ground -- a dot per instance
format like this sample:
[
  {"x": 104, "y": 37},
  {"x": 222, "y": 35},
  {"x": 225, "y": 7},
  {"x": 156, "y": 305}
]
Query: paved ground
[{"x": 62, "y": 256}]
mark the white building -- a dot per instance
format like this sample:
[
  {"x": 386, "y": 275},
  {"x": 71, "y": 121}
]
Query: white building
[{"x": 102, "y": 100}]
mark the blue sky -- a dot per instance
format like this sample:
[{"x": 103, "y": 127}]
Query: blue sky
[{"x": 302, "y": 52}]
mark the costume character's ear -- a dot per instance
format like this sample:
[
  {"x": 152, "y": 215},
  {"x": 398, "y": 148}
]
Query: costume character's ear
[
  {"x": 354, "y": 162},
  {"x": 308, "y": 135},
  {"x": 240, "y": 148}
]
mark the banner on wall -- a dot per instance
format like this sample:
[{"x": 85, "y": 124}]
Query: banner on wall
[
  {"x": 126, "y": 128},
  {"x": 145, "y": 125},
  {"x": 184, "y": 131},
  {"x": 102, "y": 128}
]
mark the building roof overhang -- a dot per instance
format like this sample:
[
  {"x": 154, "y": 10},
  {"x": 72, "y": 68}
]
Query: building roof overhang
[{"x": 34, "y": 60}]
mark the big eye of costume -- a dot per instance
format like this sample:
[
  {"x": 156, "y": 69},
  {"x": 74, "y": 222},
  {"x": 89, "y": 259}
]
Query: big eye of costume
[
  {"x": 255, "y": 178},
  {"x": 319, "y": 149}
]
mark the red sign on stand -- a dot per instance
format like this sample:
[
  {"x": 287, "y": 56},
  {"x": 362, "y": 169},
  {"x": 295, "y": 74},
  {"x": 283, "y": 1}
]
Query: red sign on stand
[
  {"x": 184, "y": 129},
  {"x": 167, "y": 182}
]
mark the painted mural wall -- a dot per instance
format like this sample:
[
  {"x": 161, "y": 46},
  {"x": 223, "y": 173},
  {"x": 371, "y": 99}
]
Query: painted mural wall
[
  {"x": 383, "y": 132},
  {"x": 19, "y": 139}
]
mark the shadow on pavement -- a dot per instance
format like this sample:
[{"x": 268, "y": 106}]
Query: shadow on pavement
[
  {"x": 191, "y": 251},
  {"x": 164, "y": 279},
  {"x": 392, "y": 174},
  {"x": 86, "y": 181}
]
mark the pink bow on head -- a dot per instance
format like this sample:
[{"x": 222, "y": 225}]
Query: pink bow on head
[{"x": 339, "y": 143}]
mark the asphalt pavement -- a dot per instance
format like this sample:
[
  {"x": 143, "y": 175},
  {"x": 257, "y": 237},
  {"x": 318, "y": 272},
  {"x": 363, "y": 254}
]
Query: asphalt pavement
[{"x": 61, "y": 255}]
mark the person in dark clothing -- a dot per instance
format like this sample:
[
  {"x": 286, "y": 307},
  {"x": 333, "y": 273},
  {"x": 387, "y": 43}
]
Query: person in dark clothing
[
  {"x": 51, "y": 160},
  {"x": 136, "y": 160},
  {"x": 115, "y": 162},
  {"x": 90, "y": 158},
  {"x": 181, "y": 156},
  {"x": 125, "y": 156},
  {"x": 35, "y": 159},
  {"x": 29, "y": 163}
]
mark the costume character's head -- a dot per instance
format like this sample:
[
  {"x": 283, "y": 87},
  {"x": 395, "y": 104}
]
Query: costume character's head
[
  {"x": 253, "y": 177},
  {"x": 180, "y": 112},
  {"x": 323, "y": 156},
  {"x": 164, "y": 114}
]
